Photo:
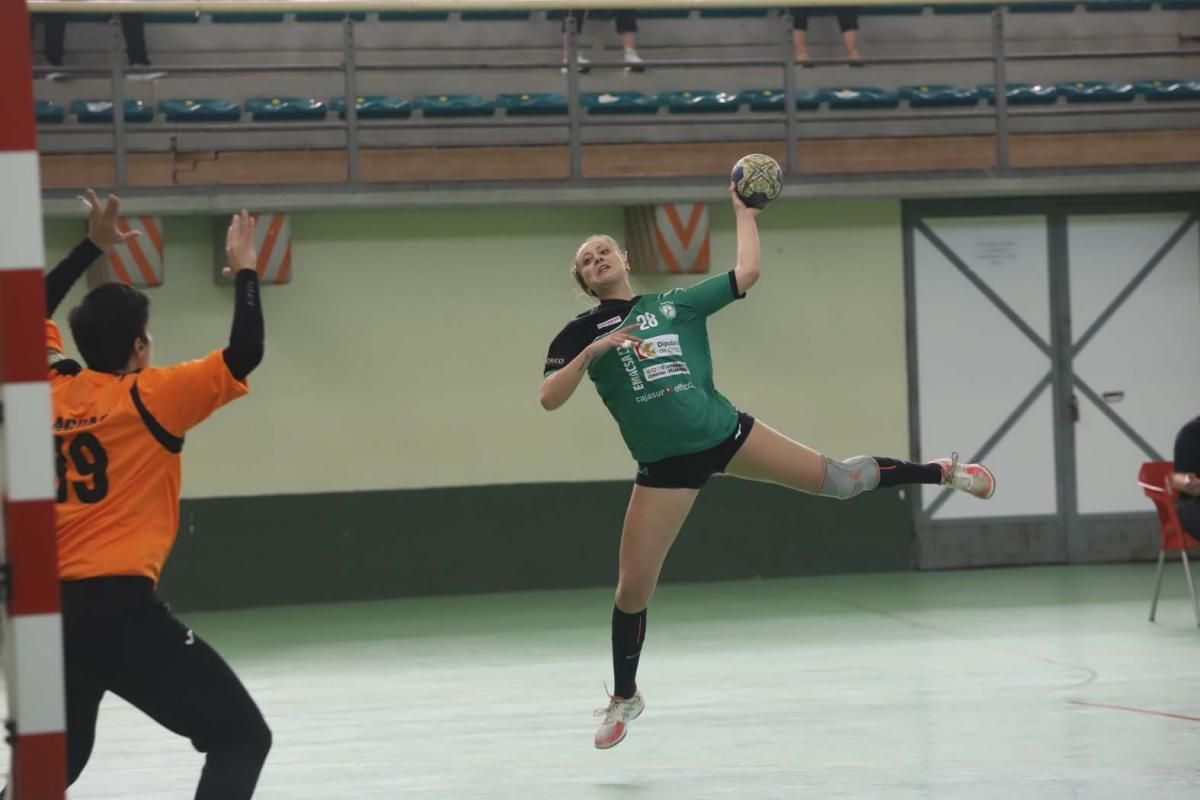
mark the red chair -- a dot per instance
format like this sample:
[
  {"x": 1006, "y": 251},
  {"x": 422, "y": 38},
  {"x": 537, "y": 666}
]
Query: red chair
[{"x": 1155, "y": 479}]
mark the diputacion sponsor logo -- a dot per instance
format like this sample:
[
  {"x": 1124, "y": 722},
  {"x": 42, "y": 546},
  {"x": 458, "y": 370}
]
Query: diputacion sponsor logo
[{"x": 659, "y": 346}]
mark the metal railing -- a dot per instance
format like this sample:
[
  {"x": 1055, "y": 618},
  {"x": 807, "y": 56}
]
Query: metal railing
[{"x": 576, "y": 119}]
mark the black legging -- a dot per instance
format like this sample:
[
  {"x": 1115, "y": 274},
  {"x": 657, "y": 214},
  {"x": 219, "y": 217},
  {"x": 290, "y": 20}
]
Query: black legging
[
  {"x": 118, "y": 638},
  {"x": 847, "y": 16},
  {"x": 626, "y": 20},
  {"x": 132, "y": 25}
]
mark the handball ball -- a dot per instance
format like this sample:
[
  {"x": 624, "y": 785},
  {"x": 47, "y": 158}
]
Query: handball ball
[{"x": 757, "y": 179}]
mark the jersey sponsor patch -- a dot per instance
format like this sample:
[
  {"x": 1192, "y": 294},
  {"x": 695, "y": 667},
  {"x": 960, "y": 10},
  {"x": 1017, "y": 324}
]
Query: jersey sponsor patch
[
  {"x": 657, "y": 372},
  {"x": 659, "y": 346},
  {"x": 608, "y": 323}
]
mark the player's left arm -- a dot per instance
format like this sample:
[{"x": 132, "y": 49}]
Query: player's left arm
[
  {"x": 749, "y": 255},
  {"x": 103, "y": 235}
]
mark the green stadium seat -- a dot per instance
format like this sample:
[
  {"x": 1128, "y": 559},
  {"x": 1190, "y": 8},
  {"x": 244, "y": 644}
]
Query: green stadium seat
[
  {"x": 1166, "y": 89},
  {"x": 455, "y": 105},
  {"x": 1022, "y": 94},
  {"x": 664, "y": 13},
  {"x": 772, "y": 99},
  {"x": 965, "y": 8},
  {"x": 272, "y": 109},
  {"x": 49, "y": 112},
  {"x": 200, "y": 109},
  {"x": 860, "y": 97},
  {"x": 1096, "y": 91},
  {"x": 413, "y": 16},
  {"x": 329, "y": 16},
  {"x": 593, "y": 13},
  {"x": 1041, "y": 8},
  {"x": 85, "y": 17},
  {"x": 1119, "y": 5},
  {"x": 172, "y": 18},
  {"x": 1180, "y": 4},
  {"x": 374, "y": 106},
  {"x": 938, "y": 96},
  {"x": 234, "y": 19},
  {"x": 619, "y": 103},
  {"x": 733, "y": 12},
  {"x": 892, "y": 11},
  {"x": 532, "y": 104},
  {"x": 494, "y": 16},
  {"x": 692, "y": 101},
  {"x": 102, "y": 111}
]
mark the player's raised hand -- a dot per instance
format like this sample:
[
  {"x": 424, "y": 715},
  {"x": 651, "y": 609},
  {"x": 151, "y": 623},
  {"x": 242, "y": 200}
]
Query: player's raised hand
[
  {"x": 621, "y": 337},
  {"x": 239, "y": 244},
  {"x": 104, "y": 221},
  {"x": 739, "y": 207}
]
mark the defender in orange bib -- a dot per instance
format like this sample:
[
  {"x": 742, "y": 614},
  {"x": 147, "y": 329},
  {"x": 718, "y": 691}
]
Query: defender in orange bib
[{"x": 119, "y": 426}]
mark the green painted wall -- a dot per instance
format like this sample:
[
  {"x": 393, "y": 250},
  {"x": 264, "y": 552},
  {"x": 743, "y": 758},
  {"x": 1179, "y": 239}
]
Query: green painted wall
[{"x": 406, "y": 355}]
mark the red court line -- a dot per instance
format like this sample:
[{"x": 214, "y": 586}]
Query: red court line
[{"x": 1137, "y": 710}]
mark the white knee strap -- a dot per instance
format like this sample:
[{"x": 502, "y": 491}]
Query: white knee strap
[{"x": 849, "y": 478}]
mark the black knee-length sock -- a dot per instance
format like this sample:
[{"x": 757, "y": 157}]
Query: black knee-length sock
[
  {"x": 628, "y": 633},
  {"x": 894, "y": 472}
]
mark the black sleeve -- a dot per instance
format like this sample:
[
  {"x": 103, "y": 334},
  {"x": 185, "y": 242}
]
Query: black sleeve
[
  {"x": 245, "y": 350},
  {"x": 60, "y": 279},
  {"x": 569, "y": 343},
  {"x": 1187, "y": 448}
]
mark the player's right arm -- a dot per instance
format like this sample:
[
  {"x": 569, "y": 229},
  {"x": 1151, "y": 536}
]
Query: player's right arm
[
  {"x": 563, "y": 375},
  {"x": 182, "y": 396}
]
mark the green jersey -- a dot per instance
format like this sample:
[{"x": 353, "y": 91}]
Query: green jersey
[{"x": 660, "y": 391}]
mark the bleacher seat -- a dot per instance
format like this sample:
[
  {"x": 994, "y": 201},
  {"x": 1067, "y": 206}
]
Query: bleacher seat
[
  {"x": 532, "y": 104},
  {"x": 1180, "y": 5},
  {"x": 374, "y": 106},
  {"x": 1041, "y": 8},
  {"x": 200, "y": 109},
  {"x": 938, "y": 96},
  {"x": 1168, "y": 89},
  {"x": 772, "y": 99},
  {"x": 1097, "y": 91},
  {"x": 892, "y": 11},
  {"x": 329, "y": 16},
  {"x": 102, "y": 111},
  {"x": 494, "y": 16},
  {"x": 47, "y": 111},
  {"x": 171, "y": 17},
  {"x": 273, "y": 109},
  {"x": 664, "y": 13},
  {"x": 733, "y": 12},
  {"x": 455, "y": 105},
  {"x": 619, "y": 103},
  {"x": 88, "y": 17},
  {"x": 1118, "y": 5},
  {"x": 860, "y": 97},
  {"x": 258, "y": 16},
  {"x": 413, "y": 16},
  {"x": 965, "y": 8},
  {"x": 1022, "y": 94},
  {"x": 699, "y": 101}
]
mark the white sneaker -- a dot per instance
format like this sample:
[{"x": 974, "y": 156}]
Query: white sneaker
[
  {"x": 581, "y": 61},
  {"x": 617, "y": 716},
  {"x": 974, "y": 479},
  {"x": 633, "y": 61},
  {"x": 153, "y": 75}
]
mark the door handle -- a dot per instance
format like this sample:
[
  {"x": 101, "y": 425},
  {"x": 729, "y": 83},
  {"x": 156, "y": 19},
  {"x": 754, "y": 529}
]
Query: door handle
[{"x": 1073, "y": 404}]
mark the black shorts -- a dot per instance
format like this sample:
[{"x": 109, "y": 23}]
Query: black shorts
[{"x": 692, "y": 470}]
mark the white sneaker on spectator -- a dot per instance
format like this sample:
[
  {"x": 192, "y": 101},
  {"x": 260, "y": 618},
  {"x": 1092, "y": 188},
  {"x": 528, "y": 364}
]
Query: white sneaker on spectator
[
  {"x": 633, "y": 62},
  {"x": 582, "y": 62}
]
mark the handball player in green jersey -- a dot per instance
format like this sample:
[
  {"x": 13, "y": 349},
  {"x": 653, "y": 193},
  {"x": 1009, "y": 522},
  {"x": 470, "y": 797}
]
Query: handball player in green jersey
[{"x": 649, "y": 358}]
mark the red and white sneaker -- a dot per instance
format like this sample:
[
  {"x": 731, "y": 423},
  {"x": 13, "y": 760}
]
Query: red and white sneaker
[
  {"x": 974, "y": 479},
  {"x": 617, "y": 716}
]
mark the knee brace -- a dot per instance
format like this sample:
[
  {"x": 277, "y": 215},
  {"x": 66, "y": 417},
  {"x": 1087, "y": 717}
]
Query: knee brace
[{"x": 849, "y": 478}]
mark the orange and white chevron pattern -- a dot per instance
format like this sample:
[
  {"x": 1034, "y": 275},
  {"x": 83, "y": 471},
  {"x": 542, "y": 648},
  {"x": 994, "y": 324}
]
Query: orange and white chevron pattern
[
  {"x": 681, "y": 233},
  {"x": 139, "y": 261},
  {"x": 273, "y": 240}
]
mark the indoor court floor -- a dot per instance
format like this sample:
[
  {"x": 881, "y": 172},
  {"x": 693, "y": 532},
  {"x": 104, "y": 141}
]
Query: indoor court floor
[{"x": 1004, "y": 684}]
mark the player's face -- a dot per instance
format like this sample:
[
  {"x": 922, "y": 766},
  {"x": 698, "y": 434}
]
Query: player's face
[{"x": 601, "y": 264}]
